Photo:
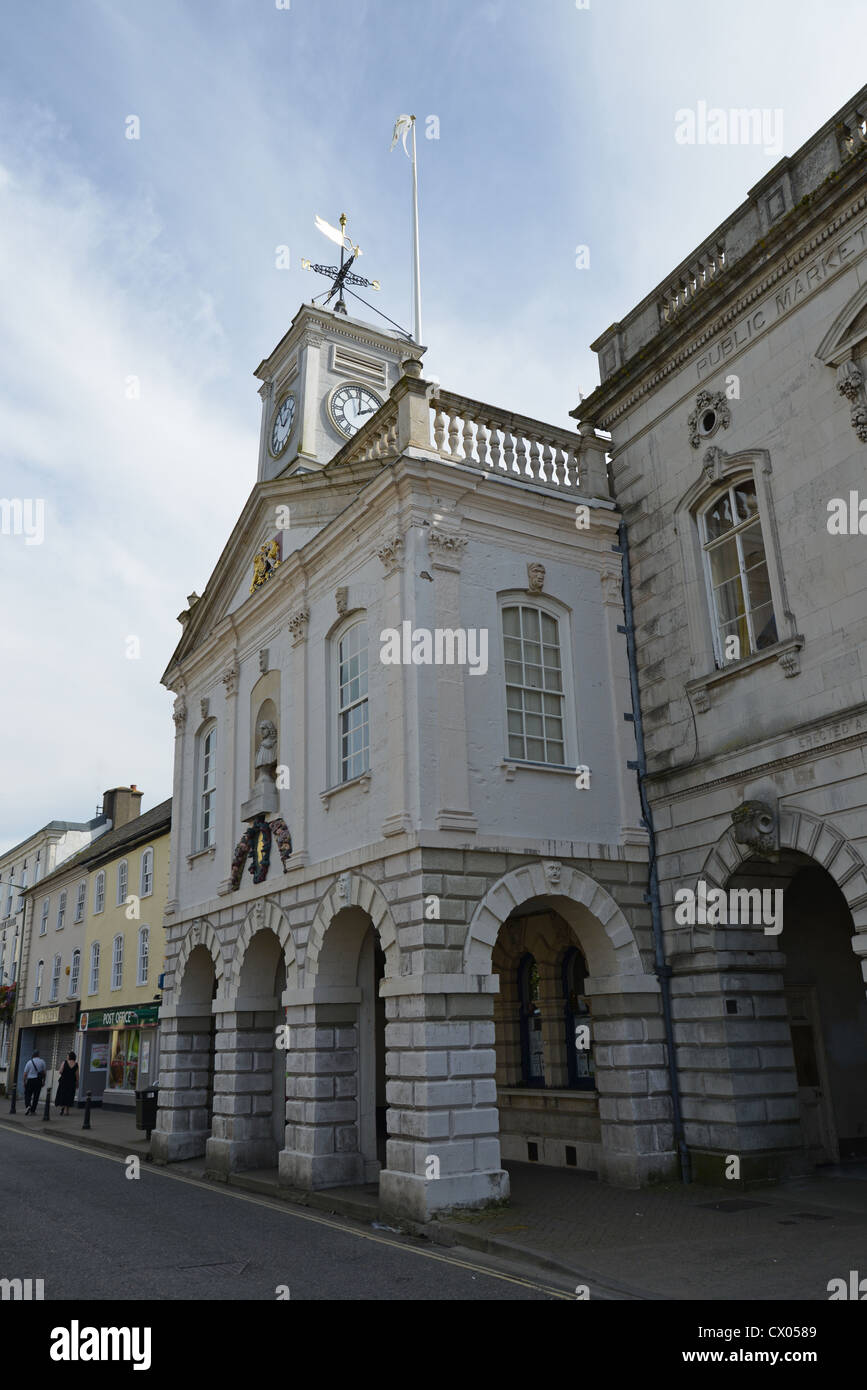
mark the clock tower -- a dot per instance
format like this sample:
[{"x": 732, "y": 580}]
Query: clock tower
[{"x": 324, "y": 380}]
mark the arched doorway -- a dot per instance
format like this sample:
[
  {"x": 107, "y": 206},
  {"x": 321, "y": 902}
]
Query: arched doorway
[
  {"x": 261, "y": 983},
  {"x": 197, "y": 992},
  {"x": 824, "y": 1004}
]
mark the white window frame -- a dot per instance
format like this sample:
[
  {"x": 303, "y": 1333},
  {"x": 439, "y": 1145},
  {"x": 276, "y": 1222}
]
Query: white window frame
[
  {"x": 61, "y": 911},
  {"x": 80, "y": 901},
  {"x": 93, "y": 979},
  {"x": 146, "y": 879},
  {"x": 562, "y": 615},
  {"x": 206, "y": 791},
  {"x": 40, "y": 968},
  {"x": 54, "y": 987},
  {"x": 143, "y": 955},
  {"x": 99, "y": 892},
  {"x": 117, "y": 962},
  {"x": 122, "y": 882},
  {"x": 74, "y": 972},
  {"x": 732, "y": 534},
  {"x": 43, "y": 920},
  {"x": 356, "y": 620}
]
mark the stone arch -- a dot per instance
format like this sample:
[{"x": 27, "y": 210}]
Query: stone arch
[
  {"x": 264, "y": 915},
  {"x": 808, "y": 834},
  {"x": 201, "y": 933},
  {"x": 351, "y": 890},
  {"x": 561, "y": 886}
]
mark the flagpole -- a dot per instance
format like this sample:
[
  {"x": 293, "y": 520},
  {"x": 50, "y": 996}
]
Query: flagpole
[{"x": 416, "y": 260}]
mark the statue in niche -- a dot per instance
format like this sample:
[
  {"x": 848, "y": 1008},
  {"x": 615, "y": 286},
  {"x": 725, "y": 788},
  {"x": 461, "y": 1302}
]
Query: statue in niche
[{"x": 266, "y": 753}]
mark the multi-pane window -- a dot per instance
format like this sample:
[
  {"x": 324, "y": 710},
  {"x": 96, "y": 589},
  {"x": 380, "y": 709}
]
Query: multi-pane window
[
  {"x": 534, "y": 685},
  {"x": 530, "y": 1019},
  {"x": 579, "y": 1054},
  {"x": 55, "y": 978},
  {"x": 208, "y": 785},
  {"x": 122, "y": 880},
  {"x": 13, "y": 969},
  {"x": 146, "y": 884},
  {"x": 99, "y": 892},
  {"x": 352, "y": 713},
  {"x": 61, "y": 911},
  {"x": 38, "y": 990},
  {"x": 80, "y": 897},
  {"x": 94, "y": 968},
  {"x": 117, "y": 963},
  {"x": 737, "y": 573},
  {"x": 38, "y": 870},
  {"x": 9, "y": 898},
  {"x": 74, "y": 972},
  {"x": 143, "y": 946},
  {"x": 43, "y": 921}
]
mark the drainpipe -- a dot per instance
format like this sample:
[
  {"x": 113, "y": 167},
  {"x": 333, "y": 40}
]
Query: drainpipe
[{"x": 661, "y": 968}]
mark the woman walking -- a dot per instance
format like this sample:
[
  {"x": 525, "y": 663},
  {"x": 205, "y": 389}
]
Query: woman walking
[{"x": 67, "y": 1085}]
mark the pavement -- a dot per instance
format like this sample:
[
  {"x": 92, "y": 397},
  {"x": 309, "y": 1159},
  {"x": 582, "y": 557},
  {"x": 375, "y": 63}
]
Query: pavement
[{"x": 659, "y": 1243}]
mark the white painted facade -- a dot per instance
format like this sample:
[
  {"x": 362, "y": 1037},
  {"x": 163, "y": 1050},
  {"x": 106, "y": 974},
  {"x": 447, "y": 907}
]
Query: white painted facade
[{"x": 374, "y": 942}]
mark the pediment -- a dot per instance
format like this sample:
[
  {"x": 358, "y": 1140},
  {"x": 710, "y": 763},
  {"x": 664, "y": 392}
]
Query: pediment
[{"x": 847, "y": 336}]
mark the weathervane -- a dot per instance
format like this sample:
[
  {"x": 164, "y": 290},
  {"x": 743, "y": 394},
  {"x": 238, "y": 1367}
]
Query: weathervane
[{"x": 342, "y": 276}]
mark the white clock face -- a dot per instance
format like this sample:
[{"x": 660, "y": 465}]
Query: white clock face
[
  {"x": 282, "y": 426},
  {"x": 351, "y": 406}
]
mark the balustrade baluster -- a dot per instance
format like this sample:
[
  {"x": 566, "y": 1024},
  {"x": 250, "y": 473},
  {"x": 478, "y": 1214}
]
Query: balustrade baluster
[
  {"x": 439, "y": 428},
  {"x": 482, "y": 443},
  {"x": 453, "y": 435},
  {"x": 468, "y": 439}
]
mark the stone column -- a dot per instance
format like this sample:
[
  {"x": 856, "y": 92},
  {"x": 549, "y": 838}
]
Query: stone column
[
  {"x": 179, "y": 821},
  {"x": 242, "y": 1134},
  {"x": 446, "y": 551},
  {"x": 183, "y": 1122},
  {"x": 322, "y": 1079},
  {"x": 628, "y": 1039},
  {"x": 398, "y": 819},
  {"x": 443, "y": 1148}
]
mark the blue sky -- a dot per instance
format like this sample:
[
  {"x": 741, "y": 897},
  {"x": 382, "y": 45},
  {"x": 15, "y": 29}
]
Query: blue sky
[{"x": 155, "y": 258}]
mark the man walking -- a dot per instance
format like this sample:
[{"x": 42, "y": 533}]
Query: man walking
[{"x": 34, "y": 1075}]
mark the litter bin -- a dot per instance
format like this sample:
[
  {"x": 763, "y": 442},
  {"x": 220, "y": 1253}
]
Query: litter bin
[{"x": 146, "y": 1110}]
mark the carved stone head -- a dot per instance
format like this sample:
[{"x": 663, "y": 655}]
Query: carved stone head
[
  {"x": 756, "y": 825},
  {"x": 535, "y": 577}
]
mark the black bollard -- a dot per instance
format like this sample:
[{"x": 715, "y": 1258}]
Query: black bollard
[
  {"x": 86, "y": 1124},
  {"x": 47, "y": 1114},
  {"x": 13, "y": 1101}
]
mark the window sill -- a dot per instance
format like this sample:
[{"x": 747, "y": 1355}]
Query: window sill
[
  {"x": 786, "y": 653},
  {"x": 191, "y": 858},
  {"x": 363, "y": 781},
  {"x": 512, "y": 765},
  {"x": 552, "y": 1093}
]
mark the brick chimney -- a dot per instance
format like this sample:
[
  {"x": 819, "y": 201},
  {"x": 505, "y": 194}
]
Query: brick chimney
[{"x": 122, "y": 804}]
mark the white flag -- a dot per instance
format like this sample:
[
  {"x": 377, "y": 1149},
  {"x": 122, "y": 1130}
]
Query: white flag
[
  {"x": 333, "y": 233},
  {"x": 402, "y": 127}
]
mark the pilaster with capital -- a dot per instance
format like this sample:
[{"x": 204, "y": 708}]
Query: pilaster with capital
[
  {"x": 398, "y": 818},
  {"x": 227, "y": 735},
  {"x": 446, "y": 550},
  {"x": 298, "y": 752}
]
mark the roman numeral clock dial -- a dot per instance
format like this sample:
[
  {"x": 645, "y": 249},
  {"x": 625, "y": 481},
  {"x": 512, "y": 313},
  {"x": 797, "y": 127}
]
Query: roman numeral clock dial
[
  {"x": 350, "y": 406},
  {"x": 284, "y": 418}
]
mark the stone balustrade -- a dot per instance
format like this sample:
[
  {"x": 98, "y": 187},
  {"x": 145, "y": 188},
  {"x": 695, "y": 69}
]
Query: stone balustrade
[{"x": 707, "y": 265}]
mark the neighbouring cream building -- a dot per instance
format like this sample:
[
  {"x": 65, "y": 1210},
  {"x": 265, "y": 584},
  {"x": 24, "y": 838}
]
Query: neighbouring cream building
[
  {"x": 21, "y": 867},
  {"x": 734, "y": 395},
  {"x": 92, "y": 953},
  {"x": 407, "y": 935}
]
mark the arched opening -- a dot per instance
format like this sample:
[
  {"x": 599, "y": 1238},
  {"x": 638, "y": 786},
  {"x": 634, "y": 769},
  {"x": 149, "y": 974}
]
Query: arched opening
[
  {"x": 546, "y": 1095},
  {"x": 198, "y": 990},
  {"x": 824, "y": 1004},
  {"x": 261, "y": 983}
]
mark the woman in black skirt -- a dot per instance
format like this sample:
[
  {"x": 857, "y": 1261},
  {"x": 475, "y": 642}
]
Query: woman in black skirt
[{"x": 67, "y": 1084}]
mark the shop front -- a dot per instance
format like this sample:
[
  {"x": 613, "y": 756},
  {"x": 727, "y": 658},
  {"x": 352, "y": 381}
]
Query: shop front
[
  {"x": 120, "y": 1053},
  {"x": 51, "y": 1032}
]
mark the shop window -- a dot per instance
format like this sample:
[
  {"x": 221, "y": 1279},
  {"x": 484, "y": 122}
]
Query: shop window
[
  {"x": 94, "y": 968},
  {"x": 123, "y": 1068},
  {"x": 80, "y": 899},
  {"x": 117, "y": 962},
  {"x": 579, "y": 1054},
  {"x": 530, "y": 1019},
  {"x": 55, "y": 979},
  {"x": 143, "y": 946},
  {"x": 122, "y": 881},
  {"x": 99, "y": 892},
  {"x": 74, "y": 972}
]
